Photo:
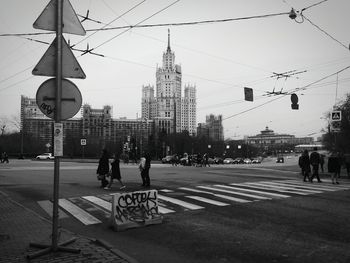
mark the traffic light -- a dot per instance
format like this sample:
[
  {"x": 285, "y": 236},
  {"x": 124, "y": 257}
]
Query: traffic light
[
  {"x": 248, "y": 94},
  {"x": 294, "y": 99}
]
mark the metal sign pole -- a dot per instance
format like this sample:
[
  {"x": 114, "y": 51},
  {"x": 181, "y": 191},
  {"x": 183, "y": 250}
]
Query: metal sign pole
[{"x": 57, "y": 120}]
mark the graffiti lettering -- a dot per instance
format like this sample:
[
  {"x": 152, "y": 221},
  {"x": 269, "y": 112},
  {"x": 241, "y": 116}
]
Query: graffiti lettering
[
  {"x": 135, "y": 208},
  {"x": 47, "y": 108}
]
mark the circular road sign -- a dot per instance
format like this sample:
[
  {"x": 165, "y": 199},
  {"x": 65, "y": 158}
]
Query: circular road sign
[{"x": 70, "y": 102}]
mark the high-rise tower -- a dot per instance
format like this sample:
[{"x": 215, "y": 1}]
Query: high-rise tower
[{"x": 171, "y": 112}]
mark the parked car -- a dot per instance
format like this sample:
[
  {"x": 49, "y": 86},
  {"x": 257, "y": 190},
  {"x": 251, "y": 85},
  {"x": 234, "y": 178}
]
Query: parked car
[
  {"x": 168, "y": 159},
  {"x": 247, "y": 161},
  {"x": 45, "y": 156},
  {"x": 280, "y": 160},
  {"x": 218, "y": 160},
  {"x": 228, "y": 160},
  {"x": 238, "y": 161},
  {"x": 256, "y": 160}
]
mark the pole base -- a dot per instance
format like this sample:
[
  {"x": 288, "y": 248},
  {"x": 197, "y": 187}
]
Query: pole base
[{"x": 47, "y": 249}]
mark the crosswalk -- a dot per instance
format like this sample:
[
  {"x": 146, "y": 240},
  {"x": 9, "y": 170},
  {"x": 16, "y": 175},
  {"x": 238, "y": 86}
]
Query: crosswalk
[{"x": 91, "y": 210}]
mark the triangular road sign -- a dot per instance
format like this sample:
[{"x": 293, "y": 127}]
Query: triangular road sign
[
  {"x": 71, "y": 23},
  {"x": 336, "y": 115},
  {"x": 70, "y": 66}
]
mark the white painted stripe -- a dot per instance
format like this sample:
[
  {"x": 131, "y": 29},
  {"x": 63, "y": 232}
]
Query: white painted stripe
[
  {"x": 254, "y": 191},
  {"x": 164, "y": 210},
  {"x": 78, "y": 213},
  {"x": 206, "y": 200},
  {"x": 179, "y": 202},
  {"x": 231, "y": 198},
  {"x": 286, "y": 186},
  {"x": 100, "y": 202},
  {"x": 234, "y": 192},
  {"x": 328, "y": 183},
  {"x": 166, "y": 191},
  {"x": 307, "y": 185},
  {"x": 274, "y": 188},
  {"x": 47, "y": 206}
]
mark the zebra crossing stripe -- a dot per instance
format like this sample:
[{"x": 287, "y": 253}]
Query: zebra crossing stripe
[
  {"x": 100, "y": 202},
  {"x": 326, "y": 184},
  {"x": 78, "y": 213},
  {"x": 180, "y": 202},
  {"x": 234, "y": 192},
  {"x": 47, "y": 206},
  {"x": 257, "y": 191},
  {"x": 307, "y": 185},
  {"x": 275, "y": 188},
  {"x": 166, "y": 190},
  {"x": 294, "y": 188},
  {"x": 164, "y": 210},
  {"x": 231, "y": 198},
  {"x": 206, "y": 200}
]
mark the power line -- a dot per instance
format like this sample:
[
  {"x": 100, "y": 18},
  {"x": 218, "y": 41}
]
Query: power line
[
  {"x": 161, "y": 24},
  {"x": 313, "y": 5}
]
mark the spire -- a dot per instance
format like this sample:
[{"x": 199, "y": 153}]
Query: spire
[{"x": 168, "y": 49}]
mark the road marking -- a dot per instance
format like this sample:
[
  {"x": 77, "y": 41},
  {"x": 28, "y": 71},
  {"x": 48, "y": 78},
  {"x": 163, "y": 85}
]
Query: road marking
[
  {"x": 78, "y": 213},
  {"x": 274, "y": 188},
  {"x": 206, "y": 200},
  {"x": 235, "y": 192},
  {"x": 100, "y": 202},
  {"x": 307, "y": 185},
  {"x": 258, "y": 192},
  {"x": 166, "y": 191},
  {"x": 231, "y": 198},
  {"x": 47, "y": 206},
  {"x": 285, "y": 186},
  {"x": 180, "y": 202},
  {"x": 326, "y": 183},
  {"x": 164, "y": 210}
]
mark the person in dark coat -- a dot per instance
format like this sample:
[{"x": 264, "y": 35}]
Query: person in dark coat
[
  {"x": 103, "y": 168},
  {"x": 115, "y": 173},
  {"x": 334, "y": 166},
  {"x": 315, "y": 160},
  {"x": 304, "y": 164},
  {"x": 146, "y": 169}
]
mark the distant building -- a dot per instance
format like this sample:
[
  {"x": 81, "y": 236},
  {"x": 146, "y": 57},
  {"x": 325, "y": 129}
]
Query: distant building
[
  {"x": 212, "y": 128},
  {"x": 95, "y": 124},
  {"x": 171, "y": 112},
  {"x": 267, "y": 138}
]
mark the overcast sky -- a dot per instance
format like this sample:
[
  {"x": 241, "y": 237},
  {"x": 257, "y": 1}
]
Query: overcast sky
[{"x": 219, "y": 58}]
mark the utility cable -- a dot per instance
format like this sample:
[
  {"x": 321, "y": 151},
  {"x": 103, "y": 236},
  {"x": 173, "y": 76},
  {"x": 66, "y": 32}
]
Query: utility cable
[{"x": 313, "y": 5}]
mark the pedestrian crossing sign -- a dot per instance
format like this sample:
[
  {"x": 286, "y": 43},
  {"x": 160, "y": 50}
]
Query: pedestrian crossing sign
[{"x": 336, "y": 115}]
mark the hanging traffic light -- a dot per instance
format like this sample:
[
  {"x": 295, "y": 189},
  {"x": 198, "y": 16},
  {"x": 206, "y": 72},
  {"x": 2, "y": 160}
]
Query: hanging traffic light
[
  {"x": 248, "y": 94},
  {"x": 294, "y": 99}
]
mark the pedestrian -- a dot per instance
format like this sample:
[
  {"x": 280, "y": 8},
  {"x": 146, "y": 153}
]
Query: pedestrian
[
  {"x": 115, "y": 173},
  {"x": 206, "y": 160},
  {"x": 103, "y": 168},
  {"x": 146, "y": 170},
  {"x": 315, "y": 162},
  {"x": 142, "y": 167},
  {"x": 5, "y": 158},
  {"x": 334, "y": 166},
  {"x": 347, "y": 163},
  {"x": 304, "y": 164}
]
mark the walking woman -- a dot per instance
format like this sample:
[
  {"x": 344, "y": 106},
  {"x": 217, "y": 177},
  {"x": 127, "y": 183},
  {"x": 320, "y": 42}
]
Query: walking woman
[
  {"x": 103, "y": 168},
  {"x": 304, "y": 163},
  {"x": 115, "y": 168}
]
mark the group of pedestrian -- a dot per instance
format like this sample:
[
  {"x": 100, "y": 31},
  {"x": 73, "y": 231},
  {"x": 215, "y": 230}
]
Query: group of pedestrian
[
  {"x": 111, "y": 171},
  {"x": 4, "y": 158},
  {"x": 316, "y": 161}
]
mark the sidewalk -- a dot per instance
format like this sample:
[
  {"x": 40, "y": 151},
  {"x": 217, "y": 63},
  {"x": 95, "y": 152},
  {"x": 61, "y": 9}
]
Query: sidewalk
[{"x": 20, "y": 226}]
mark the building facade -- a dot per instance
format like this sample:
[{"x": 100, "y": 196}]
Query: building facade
[
  {"x": 267, "y": 138},
  {"x": 171, "y": 112},
  {"x": 95, "y": 125},
  {"x": 212, "y": 128}
]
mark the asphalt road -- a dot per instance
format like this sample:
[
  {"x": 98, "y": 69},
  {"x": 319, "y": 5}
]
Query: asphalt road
[{"x": 281, "y": 220}]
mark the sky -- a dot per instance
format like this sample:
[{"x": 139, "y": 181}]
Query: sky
[{"x": 219, "y": 58}]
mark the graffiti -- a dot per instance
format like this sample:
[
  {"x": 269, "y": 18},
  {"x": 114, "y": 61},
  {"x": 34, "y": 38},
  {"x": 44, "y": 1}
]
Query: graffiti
[
  {"x": 47, "y": 108},
  {"x": 135, "y": 209}
]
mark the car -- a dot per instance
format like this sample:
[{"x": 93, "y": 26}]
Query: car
[
  {"x": 168, "y": 159},
  {"x": 228, "y": 160},
  {"x": 218, "y": 160},
  {"x": 280, "y": 160},
  {"x": 247, "y": 161},
  {"x": 238, "y": 161},
  {"x": 256, "y": 160},
  {"x": 45, "y": 156}
]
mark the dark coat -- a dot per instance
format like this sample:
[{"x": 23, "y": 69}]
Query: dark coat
[
  {"x": 103, "y": 165},
  {"x": 315, "y": 158},
  {"x": 116, "y": 169},
  {"x": 304, "y": 163},
  {"x": 334, "y": 164}
]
